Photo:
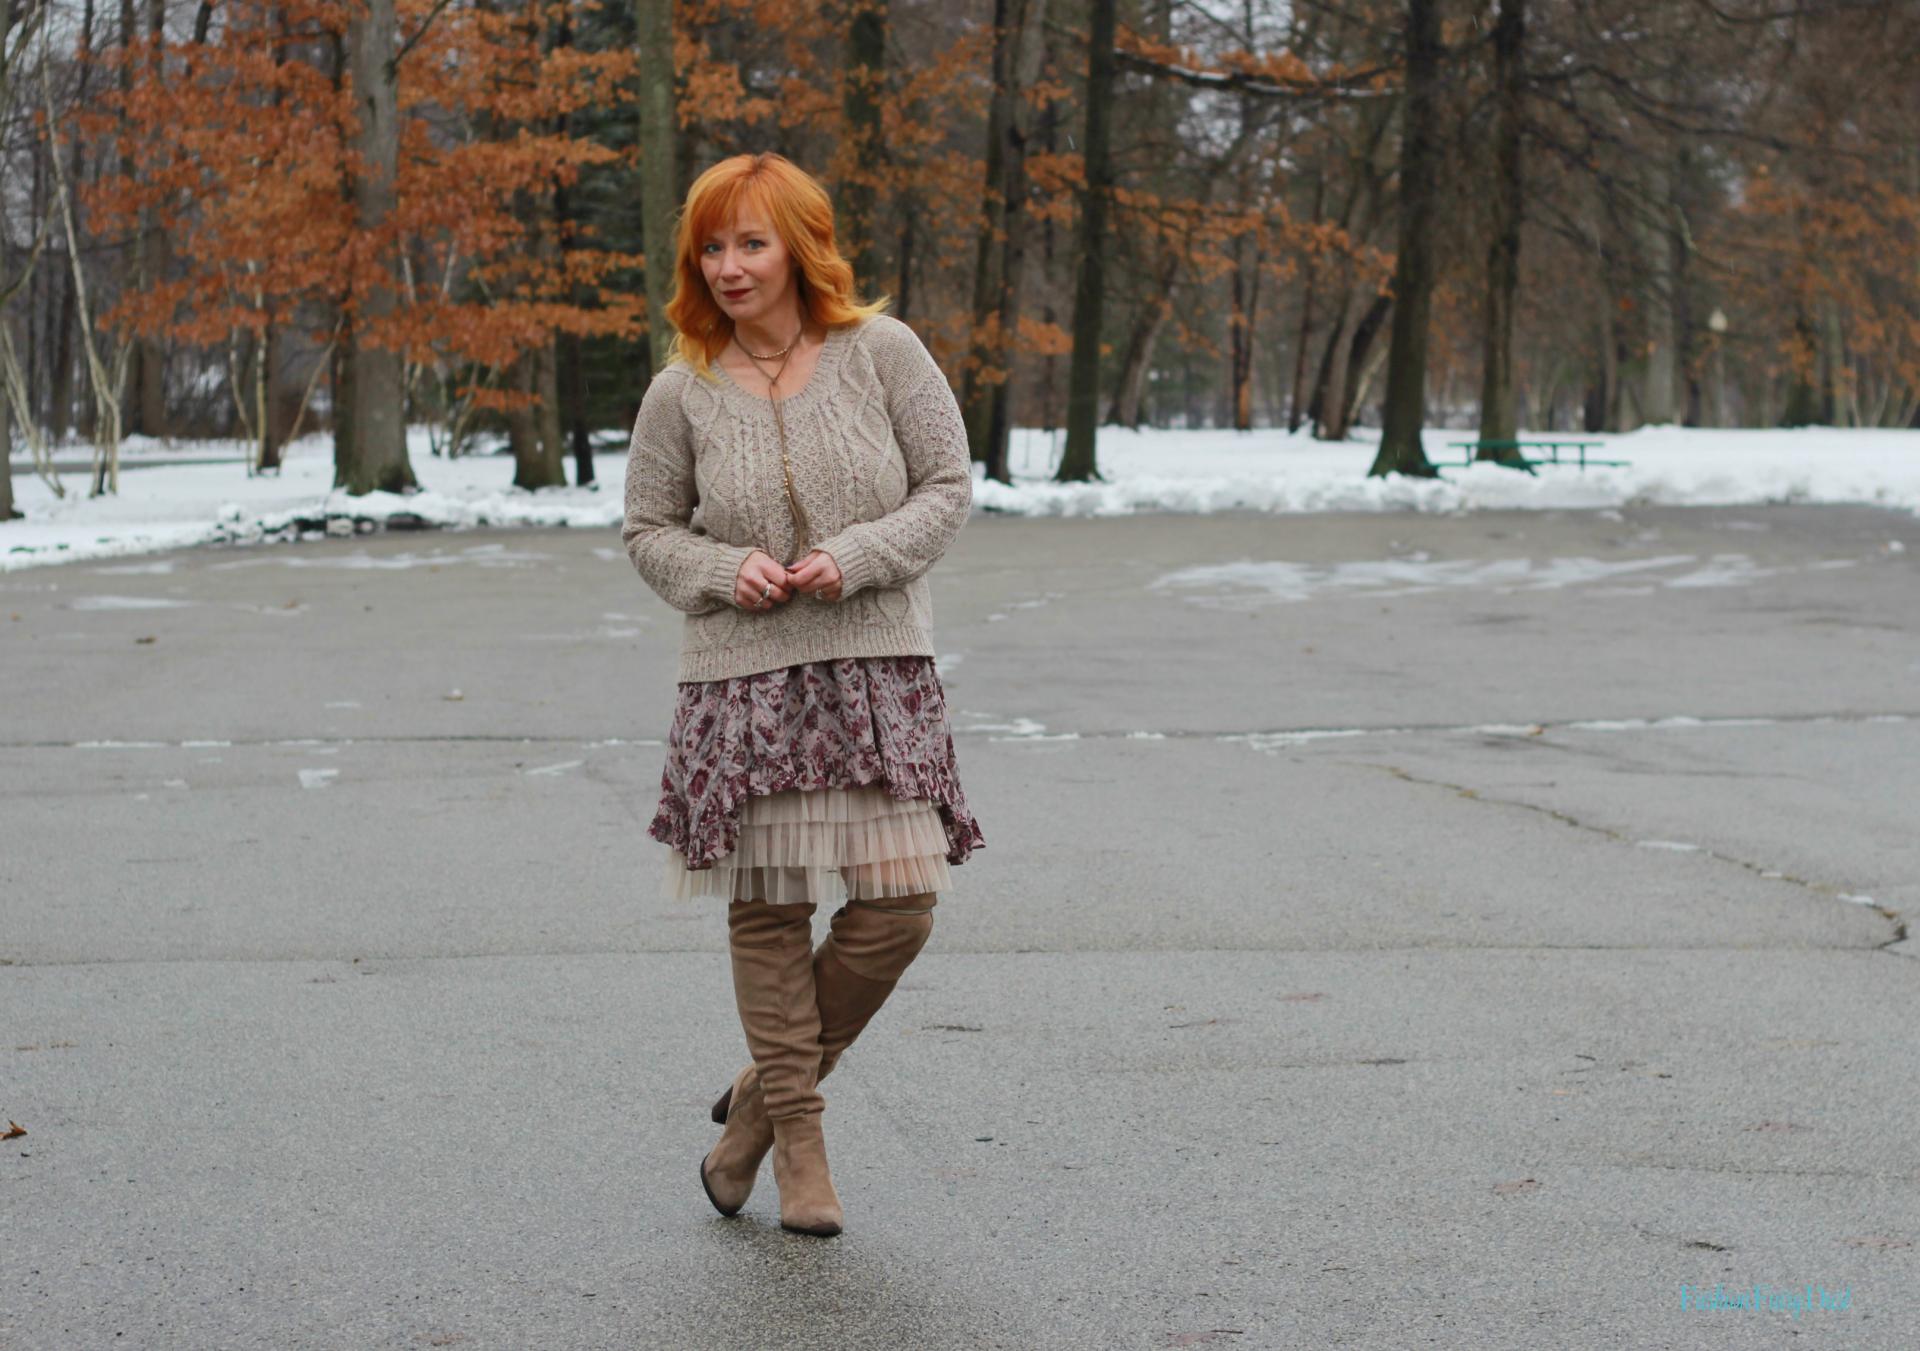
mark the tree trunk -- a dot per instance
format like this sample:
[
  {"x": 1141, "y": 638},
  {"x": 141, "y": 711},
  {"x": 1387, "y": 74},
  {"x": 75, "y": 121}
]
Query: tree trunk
[
  {"x": 985, "y": 365},
  {"x": 145, "y": 394},
  {"x": 1497, "y": 421},
  {"x": 903, "y": 293},
  {"x": 7, "y": 510},
  {"x": 1362, "y": 357},
  {"x": 1077, "y": 462},
  {"x": 1337, "y": 393},
  {"x": 1245, "y": 306},
  {"x": 572, "y": 376},
  {"x": 1658, "y": 382},
  {"x": 1296, "y": 397},
  {"x": 1834, "y": 382},
  {"x": 573, "y": 402},
  {"x": 340, "y": 358},
  {"x": 1405, "y": 413},
  {"x": 1161, "y": 117},
  {"x": 131, "y": 260},
  {"x": 151, "y": 396},
  {"x": 544, "y": 465},
  {"x": 523, "y": 433},
  {"x": 1138, "y": 356},
  {"x": 266, "y": 424},
  {"x": 63, "y": 336},
  {"x": 1803, "y": 393},
  {"x": 865, "y": 76},
  {"x": 60, "y": 396},
  {"x": 546, "y": 383},
  {"x": 340, "y": 396},
  {"x": 1031, "y": 23},
  {"x": 378, "y": 460},
  {"x": 659, "y": 175},
  {"x": 1329, "y": 405}
]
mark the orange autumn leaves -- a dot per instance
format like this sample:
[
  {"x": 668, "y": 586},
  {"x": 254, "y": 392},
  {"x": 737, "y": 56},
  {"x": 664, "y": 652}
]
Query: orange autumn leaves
[{"x": 240, "y": 149}]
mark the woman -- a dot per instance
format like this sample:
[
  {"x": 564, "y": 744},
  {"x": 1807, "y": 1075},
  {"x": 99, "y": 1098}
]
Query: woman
[{"x": 810, "y": 754}]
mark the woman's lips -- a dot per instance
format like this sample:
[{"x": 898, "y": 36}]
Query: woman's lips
[{"x": 735, "y": 295}]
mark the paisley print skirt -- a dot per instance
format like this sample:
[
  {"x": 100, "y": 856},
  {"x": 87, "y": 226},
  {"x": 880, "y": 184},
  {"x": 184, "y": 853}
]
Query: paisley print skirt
[{"x": 813, "y": 782}]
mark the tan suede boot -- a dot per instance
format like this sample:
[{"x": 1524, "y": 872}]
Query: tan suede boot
[
  {"x": 882, "y": 942},
  {"x": 728, "y": 1172},
  {"x": 772, "y": 954},
  {"x": 808, "y": 1202}
]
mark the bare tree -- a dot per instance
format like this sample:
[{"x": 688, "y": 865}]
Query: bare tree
[
  {"x": 375, "y": 460},
  {"x": 1400, "y": 448},
  {"x": 1001, "y": 248},
  {"x": 106, "y": 371},
  {"x": 1497, "y": 421},
  {"x": 1077, "y": 460},
  {"x": 659, "y": 175}
]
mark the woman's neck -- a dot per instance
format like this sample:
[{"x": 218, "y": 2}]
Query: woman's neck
[{"x": 769, "y": 335}]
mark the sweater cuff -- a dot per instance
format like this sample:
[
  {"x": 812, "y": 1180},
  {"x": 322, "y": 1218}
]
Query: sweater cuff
[
  {"x": 850, "y": 556},
  {"x": 725, "y": 571}
]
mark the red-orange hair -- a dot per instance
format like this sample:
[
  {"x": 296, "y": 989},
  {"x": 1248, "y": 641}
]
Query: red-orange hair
[{"x": 800, "y": 212}]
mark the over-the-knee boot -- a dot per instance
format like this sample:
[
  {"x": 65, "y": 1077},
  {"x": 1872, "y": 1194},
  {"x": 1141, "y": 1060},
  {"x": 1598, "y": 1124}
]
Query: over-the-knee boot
[
  {"x": 855, "y": 969},
  {"x": 772, "y": 954},
  {"x": 869, "y": 946},
  {"x": 762, "y": 939}
]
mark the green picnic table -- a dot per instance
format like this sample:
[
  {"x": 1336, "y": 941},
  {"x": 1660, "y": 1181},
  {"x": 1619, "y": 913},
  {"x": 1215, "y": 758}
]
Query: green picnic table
[{"x": 1551, "y": 445}]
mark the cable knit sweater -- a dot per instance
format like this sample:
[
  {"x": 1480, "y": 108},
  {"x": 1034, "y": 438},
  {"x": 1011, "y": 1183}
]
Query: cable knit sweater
[{"x": 881, "y": 468}]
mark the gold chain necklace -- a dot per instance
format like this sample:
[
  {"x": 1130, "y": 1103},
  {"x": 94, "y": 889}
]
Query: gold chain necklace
[
  {"x": 771, "y": 355},
  {"x": 802, "y": 531}
]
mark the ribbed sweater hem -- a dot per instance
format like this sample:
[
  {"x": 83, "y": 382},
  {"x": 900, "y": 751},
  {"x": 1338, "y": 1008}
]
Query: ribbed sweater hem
[{"x": 869, "y": 640}]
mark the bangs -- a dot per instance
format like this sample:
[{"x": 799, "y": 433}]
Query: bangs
[{"x": 719, "y": 206}]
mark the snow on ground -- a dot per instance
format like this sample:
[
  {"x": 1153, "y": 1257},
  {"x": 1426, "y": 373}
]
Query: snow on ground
[{"x": 186, "y": 493}]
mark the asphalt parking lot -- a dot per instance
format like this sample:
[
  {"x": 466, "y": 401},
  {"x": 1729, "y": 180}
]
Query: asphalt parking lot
[{"x": 1469, "y": 931}]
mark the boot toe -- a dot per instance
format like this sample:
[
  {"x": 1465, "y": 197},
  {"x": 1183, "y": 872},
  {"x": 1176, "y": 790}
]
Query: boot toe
[{"x": 820, "y": 1227}]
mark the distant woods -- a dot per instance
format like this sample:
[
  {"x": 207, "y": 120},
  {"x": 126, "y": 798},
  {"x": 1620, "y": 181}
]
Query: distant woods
[{"x": 256, "y": 220}]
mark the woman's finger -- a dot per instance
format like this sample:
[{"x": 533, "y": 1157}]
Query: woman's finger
[{"x": 759, "y": 590}]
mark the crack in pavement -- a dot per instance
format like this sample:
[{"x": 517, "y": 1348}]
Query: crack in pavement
[
  {"x": 1750, "y": 1172},
  {"x": 1824, "y": 889},
  {"x": 998, "y": 732},
  {"x": 1265, "y": 950}
]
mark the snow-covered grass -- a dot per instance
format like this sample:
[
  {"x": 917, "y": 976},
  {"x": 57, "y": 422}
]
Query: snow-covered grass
[{"x": 164, "y": 503}]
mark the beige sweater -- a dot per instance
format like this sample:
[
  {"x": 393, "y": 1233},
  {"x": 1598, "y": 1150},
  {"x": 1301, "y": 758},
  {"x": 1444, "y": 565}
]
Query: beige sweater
[{"x": 881, "y": 468}]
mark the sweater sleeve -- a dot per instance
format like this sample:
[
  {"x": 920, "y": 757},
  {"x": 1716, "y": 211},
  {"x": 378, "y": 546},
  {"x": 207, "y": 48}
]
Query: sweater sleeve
[
  {"x": 690, "y": 571},
  {"x": 906, "y": 542}
]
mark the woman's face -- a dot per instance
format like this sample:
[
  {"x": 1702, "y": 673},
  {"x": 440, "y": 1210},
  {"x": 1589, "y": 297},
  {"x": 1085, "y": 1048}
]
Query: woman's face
[{"x": 748, "y": 269}]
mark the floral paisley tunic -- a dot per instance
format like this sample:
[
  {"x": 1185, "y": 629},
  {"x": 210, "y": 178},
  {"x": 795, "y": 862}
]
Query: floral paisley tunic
[{"x": 793, "y": 784}]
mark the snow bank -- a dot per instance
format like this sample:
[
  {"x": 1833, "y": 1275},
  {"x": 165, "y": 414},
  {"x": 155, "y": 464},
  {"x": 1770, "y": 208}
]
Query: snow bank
[
  {"x": 1272, "y": 471},
  {"x": 167, "y": 500}
]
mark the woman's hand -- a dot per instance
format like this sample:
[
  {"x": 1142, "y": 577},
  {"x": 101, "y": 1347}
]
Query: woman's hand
[
  {"x": 755, "y": 575},
  {"x": 817, "y": 573}
]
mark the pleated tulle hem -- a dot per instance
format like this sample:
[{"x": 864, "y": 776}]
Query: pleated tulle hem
[{"x": 823, "y": 846}]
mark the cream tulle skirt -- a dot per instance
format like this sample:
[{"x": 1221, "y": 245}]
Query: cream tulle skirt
[{"x": 823, "y": 846}]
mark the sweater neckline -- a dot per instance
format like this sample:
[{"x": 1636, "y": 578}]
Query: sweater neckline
[{"x": 830, "y": 352}]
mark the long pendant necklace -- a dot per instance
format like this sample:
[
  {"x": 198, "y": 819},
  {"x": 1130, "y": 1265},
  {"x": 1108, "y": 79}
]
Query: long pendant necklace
[{"x": 802, "y": 531}]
